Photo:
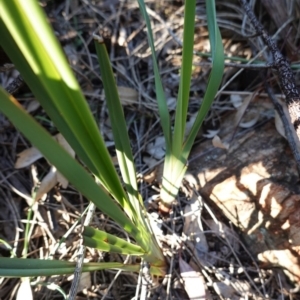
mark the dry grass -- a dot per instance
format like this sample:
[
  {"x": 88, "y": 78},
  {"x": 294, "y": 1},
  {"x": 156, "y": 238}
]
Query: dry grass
[{"x": 224, "y": 258}]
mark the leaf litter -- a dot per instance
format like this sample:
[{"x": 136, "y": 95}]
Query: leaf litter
[{"x": 210, "y": 260}]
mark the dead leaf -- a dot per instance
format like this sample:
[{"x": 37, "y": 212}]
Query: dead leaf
[
  {"x": 128, "y": 96},
  {"x": 157, "y": 149},
  {"x": 150, "y": 177},
  {"x": 85, "y": 281},
  {"x": 236, "y": 100},
  {"x": 62, "y": 141},
  {"x": 194, "y": 283},
  {"x": 192, "y": 223},
  {"x": 249, "y": 116},
  {"x": 210, "y": 133},
  {"x": 217, "y": 142},
  {"x": 193, "y": 228},
  {"x": 279, "y": 125},
  {"x": 30, "y": 155},
  {"x": 62, "y": 180},
  {"x": 252, "y": 119},
  {"x": 250, "y": 191},
  {"x": 156, "y": 170},
  {"x": 24, "y": 290},
  {"x": 32, "y": 106},
  {"x": 48, "y": 182},
  {"x": 241, "y": 110},
  {"x": 27, "y": 157}
]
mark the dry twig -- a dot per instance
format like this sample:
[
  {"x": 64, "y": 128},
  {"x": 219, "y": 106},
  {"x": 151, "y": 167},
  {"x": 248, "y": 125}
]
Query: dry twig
[{"x": 286, "y": 77}]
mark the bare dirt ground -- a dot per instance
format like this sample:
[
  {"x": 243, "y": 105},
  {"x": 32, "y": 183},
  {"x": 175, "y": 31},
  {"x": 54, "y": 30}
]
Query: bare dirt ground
[{"x": 237, "y": 219}]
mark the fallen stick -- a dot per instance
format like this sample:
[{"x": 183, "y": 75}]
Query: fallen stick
[{"x": 286, "y": 78}]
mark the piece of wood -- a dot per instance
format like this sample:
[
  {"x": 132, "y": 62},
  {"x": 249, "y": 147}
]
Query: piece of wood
[
  {"x": 255, "y": 184},
  {"x": 285, "y": 75}
]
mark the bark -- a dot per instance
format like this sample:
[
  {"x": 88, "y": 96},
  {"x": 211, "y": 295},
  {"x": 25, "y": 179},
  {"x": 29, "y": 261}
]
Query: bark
[
  {"x": 255, "y": 184},
  {"x": 285, "y": 75}
]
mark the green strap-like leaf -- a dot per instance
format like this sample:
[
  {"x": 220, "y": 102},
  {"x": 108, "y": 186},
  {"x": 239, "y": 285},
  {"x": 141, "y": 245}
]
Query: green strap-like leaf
[
  {"x": 119, "y": 128},
  {"x": 175, "y": 164},
  {"x": 18, "y": 267},
  {"x": 185, "y": 77},
  {"x": 134, "y": 207},
  {"x": 215, "y": 77},
  {"x": 58, "y": 157},
  {"x": 32, "y": 46},
  {"x": 30, "y": 43},
  {"x": 160, "y": 94},
  {"x": 107, "y": 242}
]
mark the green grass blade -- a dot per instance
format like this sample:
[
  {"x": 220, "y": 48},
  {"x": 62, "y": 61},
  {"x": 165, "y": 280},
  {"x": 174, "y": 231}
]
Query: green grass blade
[
  {"x": 135, "y": 206},
  {"x": 17, "y": 267},
  {"x": 215, "y": 77},
  {"x": 175, "y": 165},
  {"x": 68, "y": 166},
  {"x": 160, "y": 95},
  {"x": 29, "y": 41},
  {"x": 185, "y": 77},
  {"x": 119, "y": 128},
  {"x": 175, "y": 162},
  {"x": 107, "y": 242}
]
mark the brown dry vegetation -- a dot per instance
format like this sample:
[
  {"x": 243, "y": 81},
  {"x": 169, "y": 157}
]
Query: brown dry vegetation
[{"x": 251, "y": 186}]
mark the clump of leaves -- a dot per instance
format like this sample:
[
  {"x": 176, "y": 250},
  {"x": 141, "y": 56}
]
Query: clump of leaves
[{"x": 30, "y": 43}]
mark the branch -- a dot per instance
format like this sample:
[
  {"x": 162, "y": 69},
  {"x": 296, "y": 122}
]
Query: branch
[
  {"x": 285, "y": 74},
  {"x": 290, "y": 133}
]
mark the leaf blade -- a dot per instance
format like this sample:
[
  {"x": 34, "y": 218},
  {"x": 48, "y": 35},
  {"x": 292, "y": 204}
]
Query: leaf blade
[
  {"x": 107, "y": 242},
  {"x": 35, "y": 51},
  {"x": 58, "y": 157}
]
